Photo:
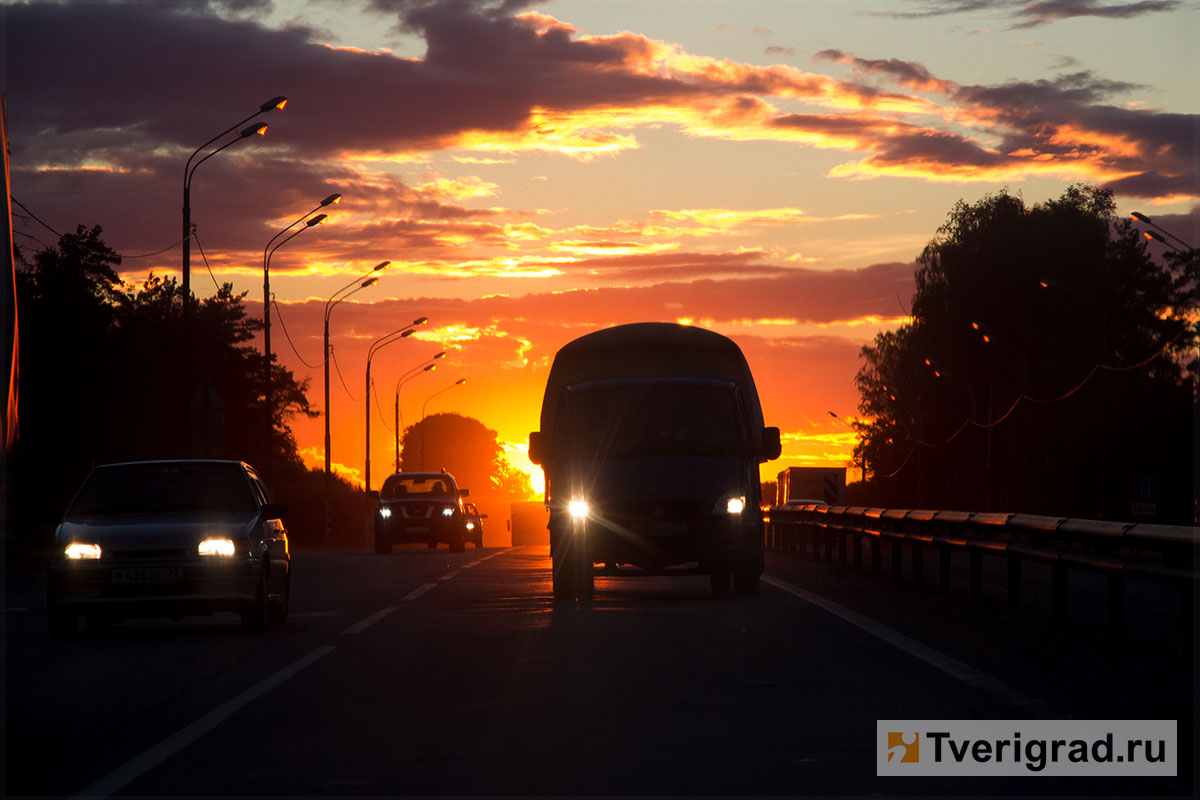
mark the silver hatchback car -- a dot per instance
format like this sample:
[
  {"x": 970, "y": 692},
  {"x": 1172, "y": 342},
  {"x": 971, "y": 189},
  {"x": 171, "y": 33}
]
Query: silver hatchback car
[{"x": 169, "y": 539}]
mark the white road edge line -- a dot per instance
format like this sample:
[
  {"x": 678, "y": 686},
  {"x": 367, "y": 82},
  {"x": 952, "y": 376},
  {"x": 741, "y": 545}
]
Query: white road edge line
[
  {"x": 362, "y": 625},
  {"x": 417, "y": 592},
  {"x": 934, "y": 658},
  {"x": 139, "y": 765}
]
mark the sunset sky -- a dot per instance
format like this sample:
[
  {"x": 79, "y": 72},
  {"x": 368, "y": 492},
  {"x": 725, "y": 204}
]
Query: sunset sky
[{"x": 537, "y": 170}]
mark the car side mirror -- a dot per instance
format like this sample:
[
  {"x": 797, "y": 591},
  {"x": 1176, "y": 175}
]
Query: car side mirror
[
  {"x": 374, "y": 495},
  {"x": 772, "y": 446},
  {"x": 275, "y": 511},
  {"x": 464, "y": 492},
  {"x": 483, "y": 516},
  {"x": 537, "y": 448}
]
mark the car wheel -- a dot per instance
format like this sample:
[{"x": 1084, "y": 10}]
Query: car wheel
[
  {"x": 63, "y": 624},
  {"x": 277, "y": 612},
  {"x": 254, "y": 616}
]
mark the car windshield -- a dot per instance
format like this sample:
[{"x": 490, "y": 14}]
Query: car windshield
[
  {"x": 638, "y": 419},
  {"x": 430, "y": 487},
  {"x": 152, "y": 488}
]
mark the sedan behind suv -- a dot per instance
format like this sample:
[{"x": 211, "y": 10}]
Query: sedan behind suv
[
  {"x": 169, "y": 539},
  {"x": 420, "y": 507}
]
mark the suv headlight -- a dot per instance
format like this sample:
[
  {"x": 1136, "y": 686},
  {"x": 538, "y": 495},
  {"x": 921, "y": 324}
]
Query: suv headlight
[
  {"x": 385, "y": 512},
  {"x": 447, "y": 512}
]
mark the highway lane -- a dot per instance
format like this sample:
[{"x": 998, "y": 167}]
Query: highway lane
[{"x": 437, "y": 673}]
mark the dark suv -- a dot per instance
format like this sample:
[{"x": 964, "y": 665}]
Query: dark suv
[{"x": 420, "y": 507}]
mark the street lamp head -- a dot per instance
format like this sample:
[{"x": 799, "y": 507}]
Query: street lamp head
[
  {"x": 430, "y": 368},
  {"x": 317, "y": 220},
  {"x": 260, "y": 129},
  {"x": 460, "y": 381},
  {"x": 408, "y": 332},
  {"x": 380, "y": 266},
  {"x": 835, "y": 416},
  {"x": 1141, "y": 217},
  {"x": 441, "y": 355},
  {"x": 420, "y": 320},
  {"x": 369, "y": 282},
  {"x": 1158, "y": 237},
  {"x": 274, "y": 103},
  {"x": 333, "y": 198}
]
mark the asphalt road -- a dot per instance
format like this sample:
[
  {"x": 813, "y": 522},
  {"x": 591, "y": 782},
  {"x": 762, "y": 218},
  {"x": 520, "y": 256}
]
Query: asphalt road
[{"x": 432, "y": 673}]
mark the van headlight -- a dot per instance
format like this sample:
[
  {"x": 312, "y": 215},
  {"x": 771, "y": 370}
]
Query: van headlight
[
  {"x": 385, "y": 512},
  {"x": 730, "y": 505},
  {"x": 447, "y": 512},
  {"x": 578, "y": 507}
]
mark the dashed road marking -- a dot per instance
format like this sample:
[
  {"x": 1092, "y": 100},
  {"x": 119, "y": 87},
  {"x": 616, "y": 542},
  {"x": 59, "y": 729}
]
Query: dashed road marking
[{"x": 362, "y": 625}]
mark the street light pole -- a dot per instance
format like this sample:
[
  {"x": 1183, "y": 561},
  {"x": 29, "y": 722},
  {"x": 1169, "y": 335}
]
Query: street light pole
[
  {"x": 425, "y": 366},
  {"x": 355, "y": 285},
  {"x": 269, "y": 251},
  {"x": 458, "y": 382},
  {"x": 381, "y": 342},
  {"x": 188, "y": 169}
]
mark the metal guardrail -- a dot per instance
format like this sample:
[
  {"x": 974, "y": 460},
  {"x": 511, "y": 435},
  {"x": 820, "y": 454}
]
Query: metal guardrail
[{"x": 1120, "y": 551}]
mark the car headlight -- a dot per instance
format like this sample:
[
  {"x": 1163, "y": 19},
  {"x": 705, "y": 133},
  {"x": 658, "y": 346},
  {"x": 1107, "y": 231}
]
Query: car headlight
[
  {"x": 578, "y": 507},
  {"x": 216, "y": 547},
  {"x": 78, "y": 551},
  {"x": 447, "y": 512},
  {"x": 470, "y": 526},
  {"x": 730, "y": 505},
  {"x": 385, "y": 512}
]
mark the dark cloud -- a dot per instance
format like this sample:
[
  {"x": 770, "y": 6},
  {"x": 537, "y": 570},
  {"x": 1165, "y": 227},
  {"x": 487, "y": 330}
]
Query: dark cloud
[
  {"x": 1045, "y": 11},
  {"x": 1031, "y": 15}
]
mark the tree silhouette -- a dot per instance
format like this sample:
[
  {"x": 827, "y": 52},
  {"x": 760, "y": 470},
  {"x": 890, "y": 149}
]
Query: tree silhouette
[
  {"x": 103, "y": 378},
  {"x": 468, "y": 450},
  {"x": 1049, "y": 366}
]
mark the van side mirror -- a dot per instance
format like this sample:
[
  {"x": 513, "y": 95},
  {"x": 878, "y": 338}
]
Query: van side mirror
[
  {"x": 464, "y": 492},
  {"x": 374, "y": 495},
  {"x": 537, "y": 448},
  {"x": 772, "y": 446}
]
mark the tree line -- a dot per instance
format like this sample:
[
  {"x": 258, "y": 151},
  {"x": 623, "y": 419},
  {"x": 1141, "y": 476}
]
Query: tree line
[
  {"x": 111, "y": 371},
  {"x": 1049, "y": 366}
]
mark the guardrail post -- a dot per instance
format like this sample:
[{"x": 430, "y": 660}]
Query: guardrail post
[
  {"x": 943, "y": 568},
  {"x": 876, "y": 554},
  {"x": 918, "y": 562},
  {"x": 976, "y": 561},
  {"x": 1058, "y": 594},
  {"x": 1014, "y": 582},
  {"x": 897, "y": 558}
]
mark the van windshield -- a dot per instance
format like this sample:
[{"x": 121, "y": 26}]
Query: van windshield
[{"x": 639, "y": 419}]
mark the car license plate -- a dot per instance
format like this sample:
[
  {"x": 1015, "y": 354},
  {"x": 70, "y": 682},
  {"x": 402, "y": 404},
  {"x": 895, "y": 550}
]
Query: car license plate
[
  {"x": 124, "y": 575},
  {"x": 416, "y": 529}
]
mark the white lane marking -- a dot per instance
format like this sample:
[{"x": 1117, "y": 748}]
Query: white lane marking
[
  {"x": 935, "y": 658},
  {"x": 448, "y": 576},
  {"x": 417, "y": 592},
  {"x": 362, "y": 625},
  {"x": 473, "y": 563},
  {"x": 139, "y": 765}
]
